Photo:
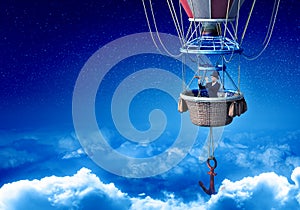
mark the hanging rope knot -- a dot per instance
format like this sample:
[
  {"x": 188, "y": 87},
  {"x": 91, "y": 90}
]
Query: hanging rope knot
[
  {"x": 212, "y": 168},
  {"x": 211, "y": 190},
  {"x": 212, "y": 173}
]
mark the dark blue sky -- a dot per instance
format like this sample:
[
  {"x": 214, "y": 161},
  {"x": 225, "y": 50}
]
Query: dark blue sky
[{"x": 44, "y": 46}]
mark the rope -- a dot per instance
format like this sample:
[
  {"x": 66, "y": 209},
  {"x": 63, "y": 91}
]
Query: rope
[
  {"x": 234, "y": 30},
  {"x": 232, "y": 52},
  {"x": 193, "y": 9},
  {"x": 231, "y": 80},
  {"x": 231, "y": 35},
  {"x": 188, "y": 85},
  {"x": 230, "y": 58},
  {"x": 247, "y": 23},
  {"x": 223, "y": 75},
  {"x": 158, "y": 36},
  {"x": 175, "y": 20},
  {"x": 237, "y": 20},
  {"x": 269, "y": 26},
  {"x": 157, "y": 33},
  {"x": 219, "y": 30},
  {"x": 200, "y": 62},
  {"x": 225, "y": 29},
  {"x": 268, "y": 37},
  {"x": 189, "y": 30},
  {"x": 181, "y": 19},
  {"x": 149, "y": 27},
  {"x": 239, "y": 74},
  {"x": 211, "y": 145},
  {"x": 183, "y": 73},
  {"x": 194, "y": 31},
  {"x": 234, "y": 37}
]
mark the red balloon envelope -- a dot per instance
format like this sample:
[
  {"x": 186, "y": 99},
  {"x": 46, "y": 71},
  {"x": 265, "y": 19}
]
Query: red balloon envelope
[{"x": 211, "y": 9}]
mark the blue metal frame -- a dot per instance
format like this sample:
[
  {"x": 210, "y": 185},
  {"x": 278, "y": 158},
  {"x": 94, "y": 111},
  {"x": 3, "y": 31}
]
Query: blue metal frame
[{"x": 211, "y": 45}]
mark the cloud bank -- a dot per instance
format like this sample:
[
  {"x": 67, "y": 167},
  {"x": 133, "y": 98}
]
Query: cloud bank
[
  {"x": 70, "y": 192},
  {"x": 84, "y": 190}
]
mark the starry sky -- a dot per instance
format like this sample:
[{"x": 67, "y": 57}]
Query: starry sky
[{"x": 46, "y": 47}]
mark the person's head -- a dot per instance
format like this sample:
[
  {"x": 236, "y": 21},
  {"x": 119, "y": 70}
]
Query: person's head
[{"x": 214, "y": 76}]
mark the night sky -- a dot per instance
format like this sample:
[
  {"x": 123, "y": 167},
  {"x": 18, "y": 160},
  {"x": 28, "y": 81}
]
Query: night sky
[{"x": 46, "y": 47}]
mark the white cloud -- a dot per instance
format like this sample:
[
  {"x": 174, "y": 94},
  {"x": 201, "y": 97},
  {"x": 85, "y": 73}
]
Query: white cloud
[
  {"x": 74, "y": 154},
  {"x": 170, "y": 203},
  {"x": 257, "y": 154},
  {"x": 292, "y": 161},
  {"x": 84, "y": 190},
  {"x": 296, "y": 176},
  {"x": 68, "y": 142},
  {"x": 22, "y": 149},
  {"x": 11, "y": 158},
  {"x": 265, "y": 191},
  {"x": 68, "y": 191}
]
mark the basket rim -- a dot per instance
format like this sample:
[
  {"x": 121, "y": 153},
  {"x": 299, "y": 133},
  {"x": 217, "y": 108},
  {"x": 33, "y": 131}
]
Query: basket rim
[{"x": 215, "y": 99}]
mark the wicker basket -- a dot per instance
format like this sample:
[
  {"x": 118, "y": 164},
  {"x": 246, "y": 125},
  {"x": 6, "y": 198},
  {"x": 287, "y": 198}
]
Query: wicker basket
[{"x": 209, "y": 112}]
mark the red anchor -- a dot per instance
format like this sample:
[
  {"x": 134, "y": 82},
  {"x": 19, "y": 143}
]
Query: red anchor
[{"x": 212, "y": 174}]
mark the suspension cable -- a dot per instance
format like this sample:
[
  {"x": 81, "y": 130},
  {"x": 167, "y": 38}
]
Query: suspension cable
[
  {"x": 234, "y": 37},
  {"x": 157, "y": 33},
  {"x": 247, "y": 23},
  {"x": 181, "y": 20},
  {"x": 230, "y": 58},
  {"x": 231, "y": 80},
  {"x": 189, "y": 31},
  {"x": 219, "y": 29},
  {"x": 194, "y": 31},
  {"x": 268, "y": 37},
  {"x": 239, "y": 75},
  {"x": 175, "y": 20},
  {"x": 269, "y": 26},
  {"x": 188, "y": 85},
  {"x": 225, "y": 29},
  {"x": 149, "y": 27},
  {"x": 237, "y": 19},
  {"x": 158, "y": 36},
  {"x": 229, "y": 32},
  {"x": 211, "y": 146},
  {"x": 193, "y": 11},
  {"x": 234, "y": 29},
  {"x": 183, "y": 73}
]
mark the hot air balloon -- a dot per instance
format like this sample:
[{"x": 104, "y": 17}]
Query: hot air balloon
[{"x": 212, "y": 33}]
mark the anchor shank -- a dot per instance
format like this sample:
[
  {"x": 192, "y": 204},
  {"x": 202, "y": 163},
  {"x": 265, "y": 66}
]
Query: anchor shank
[{"x": 211, "y": 190}]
